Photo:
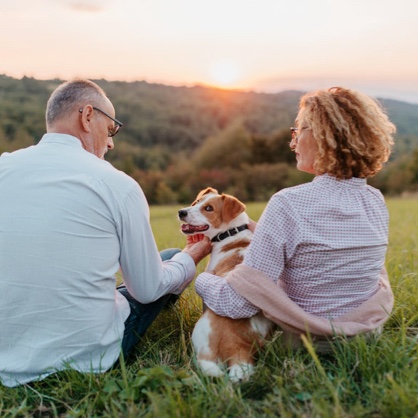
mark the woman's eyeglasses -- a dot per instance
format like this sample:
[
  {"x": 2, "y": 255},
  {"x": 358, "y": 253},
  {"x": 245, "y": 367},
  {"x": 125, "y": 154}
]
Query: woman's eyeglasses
[
  {"x": 294, "y": 132},
  {"x": 295, "y": 138}
]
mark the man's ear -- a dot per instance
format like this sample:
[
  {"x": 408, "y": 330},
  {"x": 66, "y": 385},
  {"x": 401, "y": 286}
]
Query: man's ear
[{"x": 86, "y": 115}]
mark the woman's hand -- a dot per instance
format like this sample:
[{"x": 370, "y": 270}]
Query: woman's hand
[{"x": 251, "y": 225}]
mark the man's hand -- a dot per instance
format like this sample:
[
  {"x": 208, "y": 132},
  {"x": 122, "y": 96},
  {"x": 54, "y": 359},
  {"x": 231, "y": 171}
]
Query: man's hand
[{"x": 198, "y": 247}]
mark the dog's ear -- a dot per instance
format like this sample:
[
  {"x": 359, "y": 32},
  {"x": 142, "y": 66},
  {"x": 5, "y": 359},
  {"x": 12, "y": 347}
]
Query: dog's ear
[
  {"x": 232, "y": 208},
  {"x": 204, "y": 192}
]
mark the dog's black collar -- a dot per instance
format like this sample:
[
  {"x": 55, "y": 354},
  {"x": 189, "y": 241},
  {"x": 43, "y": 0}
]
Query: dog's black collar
[{"x": 230, "y": 233}]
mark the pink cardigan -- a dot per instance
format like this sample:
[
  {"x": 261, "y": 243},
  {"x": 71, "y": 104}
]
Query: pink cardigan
[{"x": 262, "y": 292}]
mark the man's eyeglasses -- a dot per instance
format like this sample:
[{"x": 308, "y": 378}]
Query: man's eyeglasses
[{"x": 112, "y": 131}]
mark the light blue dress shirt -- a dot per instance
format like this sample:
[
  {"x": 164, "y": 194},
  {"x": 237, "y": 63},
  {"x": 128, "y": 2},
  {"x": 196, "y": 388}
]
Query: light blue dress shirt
[{"x": 68, "y": 222}]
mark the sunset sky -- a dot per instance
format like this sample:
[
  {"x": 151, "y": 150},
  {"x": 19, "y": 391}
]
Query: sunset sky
[{"x": 261, "y": 45}]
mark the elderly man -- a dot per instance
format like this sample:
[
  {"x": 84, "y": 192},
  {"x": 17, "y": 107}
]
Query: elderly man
[{"x": 68, "y": 222}]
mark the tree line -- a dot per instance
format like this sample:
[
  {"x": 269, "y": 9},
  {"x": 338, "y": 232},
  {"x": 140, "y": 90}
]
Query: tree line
[{"x": 178, "y": 140}]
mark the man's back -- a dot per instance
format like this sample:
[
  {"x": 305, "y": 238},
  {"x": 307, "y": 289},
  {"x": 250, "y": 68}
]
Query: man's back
[{"x": 59, "y": 246}]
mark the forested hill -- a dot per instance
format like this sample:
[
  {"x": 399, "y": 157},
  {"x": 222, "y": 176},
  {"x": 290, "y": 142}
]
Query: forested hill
[
  {"x": 177, "y": 118},
  {"x": 176, "y": 140}
]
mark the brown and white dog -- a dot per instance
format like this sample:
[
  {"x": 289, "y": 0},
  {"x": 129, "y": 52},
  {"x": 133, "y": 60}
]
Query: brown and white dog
[{"x": 220, "y": 340}]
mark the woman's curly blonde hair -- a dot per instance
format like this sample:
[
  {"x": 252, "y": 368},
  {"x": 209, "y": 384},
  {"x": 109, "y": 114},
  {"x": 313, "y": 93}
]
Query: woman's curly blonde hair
[{"x": 354, "y": 134}]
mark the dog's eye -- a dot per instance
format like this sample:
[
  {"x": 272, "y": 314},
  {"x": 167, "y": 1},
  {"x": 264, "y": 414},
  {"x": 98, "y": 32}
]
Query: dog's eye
[{"x": 209, "y": 208}]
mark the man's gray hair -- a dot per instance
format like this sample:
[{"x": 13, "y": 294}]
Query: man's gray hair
[{"x": 70, "y": 96}]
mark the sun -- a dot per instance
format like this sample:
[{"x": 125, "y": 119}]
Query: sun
[{"x": 224, "y": 73}]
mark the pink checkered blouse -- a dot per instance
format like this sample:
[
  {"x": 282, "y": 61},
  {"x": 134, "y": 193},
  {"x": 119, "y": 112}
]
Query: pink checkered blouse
[{"x": 325, "y": 241}]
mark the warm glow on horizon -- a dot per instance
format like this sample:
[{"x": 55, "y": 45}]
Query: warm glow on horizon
[
  {"x": 224, "y": 74},
  {"x": 261, "y": 45}
]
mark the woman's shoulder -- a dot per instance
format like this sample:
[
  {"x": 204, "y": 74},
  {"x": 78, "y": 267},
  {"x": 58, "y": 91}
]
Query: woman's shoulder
[
  {"x": 289, "y": 201},
  {"x": 300, "y": 191}
]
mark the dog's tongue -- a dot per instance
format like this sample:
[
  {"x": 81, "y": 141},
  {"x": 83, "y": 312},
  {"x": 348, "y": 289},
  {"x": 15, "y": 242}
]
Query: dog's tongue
[{"x": 190, "y": 229}]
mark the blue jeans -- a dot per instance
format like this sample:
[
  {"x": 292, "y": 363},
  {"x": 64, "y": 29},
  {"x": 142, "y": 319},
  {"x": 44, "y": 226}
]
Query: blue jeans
[{"x": 142, "y": 316}]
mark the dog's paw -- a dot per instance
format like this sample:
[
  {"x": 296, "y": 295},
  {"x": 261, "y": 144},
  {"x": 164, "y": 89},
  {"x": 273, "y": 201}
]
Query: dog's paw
[
  {"x": 240, "y": 372},
  {"x": 210, "y": 368}
]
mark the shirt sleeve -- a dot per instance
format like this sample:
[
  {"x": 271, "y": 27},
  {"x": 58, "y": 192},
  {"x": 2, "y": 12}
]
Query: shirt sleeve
[
  {"x": 266, "y": 253},
  {"x": 221, "y": 298},
  {"x": 147, "y": 277},
  {"x": 272, "y": 239}
]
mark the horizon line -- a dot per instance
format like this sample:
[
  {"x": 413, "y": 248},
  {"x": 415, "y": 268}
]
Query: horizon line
[{"x": 196, "y": 84}]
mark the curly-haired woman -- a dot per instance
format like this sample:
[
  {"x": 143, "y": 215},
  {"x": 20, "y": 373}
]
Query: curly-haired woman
[{"x": 316, "y": 264}]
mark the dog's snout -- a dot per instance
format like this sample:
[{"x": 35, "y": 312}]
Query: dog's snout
[{"x": 182, "y": 213}]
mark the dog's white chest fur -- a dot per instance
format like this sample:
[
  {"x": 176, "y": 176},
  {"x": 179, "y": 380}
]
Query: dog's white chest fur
[{"x": 225, "y": 249}]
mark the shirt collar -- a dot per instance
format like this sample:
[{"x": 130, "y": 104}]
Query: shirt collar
[
  {"x": 63, "y": 139},
  {"x": 353, "y": 182}
]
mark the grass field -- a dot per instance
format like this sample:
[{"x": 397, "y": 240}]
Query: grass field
[{"x": 377, "y": 378}]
